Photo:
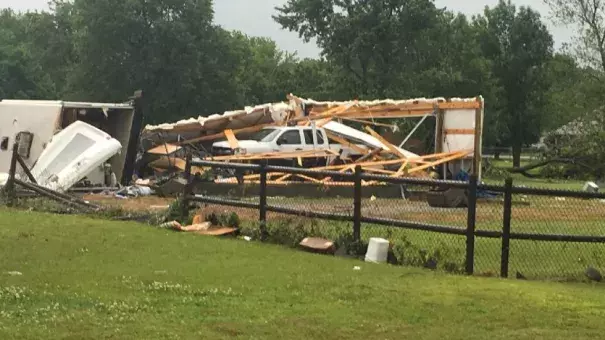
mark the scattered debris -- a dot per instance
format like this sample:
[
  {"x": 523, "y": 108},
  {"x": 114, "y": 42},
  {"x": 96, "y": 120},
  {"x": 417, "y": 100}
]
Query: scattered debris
[
  {"x": 223, "y": 231},
  {"x": 14, "y": 273},
  {"x": 194, "y": 227},
  {"x": 593, "y": 274},
  {"x": 357, "y": 268},
  {"x": 198, "y": 219},
  {"x": 134, "y": 191},
  {"x": 170, "y": 225},
  {"x": 591, "y": 187},
  {"x": 171, "y": 187},
  {"x": 159, "y": 207},
  {"x": 378, "y": 250},
  {"x": 318, "y": 245}
]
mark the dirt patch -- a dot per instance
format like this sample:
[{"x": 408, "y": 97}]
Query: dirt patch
[{"x": 131, "y": 204}]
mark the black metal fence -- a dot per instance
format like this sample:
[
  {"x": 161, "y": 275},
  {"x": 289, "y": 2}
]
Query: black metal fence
[{"x": 503, "y": 230}]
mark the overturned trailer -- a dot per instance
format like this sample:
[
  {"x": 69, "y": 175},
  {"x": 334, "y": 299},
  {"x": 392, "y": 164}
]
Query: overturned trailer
[{"x": 32, "y": 124}]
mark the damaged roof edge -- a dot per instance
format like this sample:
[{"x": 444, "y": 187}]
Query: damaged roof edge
[
  {"x": 277, "y": 108},
  {"x": 70, "y": 105}
]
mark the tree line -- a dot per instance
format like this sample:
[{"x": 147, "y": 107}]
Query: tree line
[{"x": 102, "y": 50}]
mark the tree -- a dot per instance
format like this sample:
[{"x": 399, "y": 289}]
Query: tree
[
  {"x": 170, "y": 49},
  {"x": 378, "y": 45},
  {"x": 21, "y": 76},
  {"x": 264, "y": 70},
  {"x": 519, "y": 45},
  {"x": 573, "y": 93},
  {"x": 589, "y": 16}
]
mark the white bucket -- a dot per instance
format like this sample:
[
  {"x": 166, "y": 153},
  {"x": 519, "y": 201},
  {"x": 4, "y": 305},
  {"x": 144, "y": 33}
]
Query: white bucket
[{"x": 378, "y": 250}]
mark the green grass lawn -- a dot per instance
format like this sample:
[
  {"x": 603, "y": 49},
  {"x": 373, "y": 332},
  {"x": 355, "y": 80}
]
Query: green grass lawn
[
  {"x": 518, "y": 179},
  {"x": 89, "y": 279}
]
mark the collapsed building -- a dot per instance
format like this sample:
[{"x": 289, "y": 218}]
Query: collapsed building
[{"x": 339, "y": 134}]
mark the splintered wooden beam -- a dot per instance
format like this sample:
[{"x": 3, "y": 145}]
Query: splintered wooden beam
[
  {"x": 277, "y": 155},
  {"x": 459, "y": 131},
  {"x": 374, "y": 153},
  {"x": 233, "y": 142},
  {"x": 215, "y": 136},
  {"x": 415, "y": 160},
  {"x": 345, "y": 142},
  {"x": 363, "y": 121},
  {"x": 414, "y": 107},
  {"x": 380, "y": 171},
  {"x": 390, "y": 146},
  {"x": 402, "y": 169},
  {"x": 314, "y": 180},
  {"x": 323, "y": 122},
  {"x": 283, "y": 178},
  {"x": 347, "y": 168},
  {"x": 454, "y": 156},
  {"x": 362, "y": 164}
]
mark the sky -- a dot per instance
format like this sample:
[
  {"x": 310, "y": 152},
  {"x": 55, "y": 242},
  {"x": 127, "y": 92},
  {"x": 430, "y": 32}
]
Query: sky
[{"x": 253, "y": 17}]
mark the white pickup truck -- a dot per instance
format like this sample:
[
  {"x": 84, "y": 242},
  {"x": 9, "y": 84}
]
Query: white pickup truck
[{"x": 284, "y": 139}]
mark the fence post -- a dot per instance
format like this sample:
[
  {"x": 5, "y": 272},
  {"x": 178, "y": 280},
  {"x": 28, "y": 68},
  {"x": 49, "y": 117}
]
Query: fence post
[
  {"x": 506, "y": 219},
  {"x": 25, "y": 168},
  {"x": 263, "y": 201},
  {"x": 357, "y": 205},
  {"x": 470, "y": 225},
  {"x": 10, "y": 184},
  {"x": 187, "y": 190}
]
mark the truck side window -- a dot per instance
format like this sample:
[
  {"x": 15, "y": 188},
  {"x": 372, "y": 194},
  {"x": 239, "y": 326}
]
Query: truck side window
[
  {"x": 320, "y": 138},
  {"x": 309, "y": 136},
  {"x": 291, "y": 138},
  {"x": 4, "y": 144}
]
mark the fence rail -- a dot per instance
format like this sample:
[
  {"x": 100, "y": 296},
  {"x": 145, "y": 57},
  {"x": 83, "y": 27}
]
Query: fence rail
[{"x": 480, "y": 228}]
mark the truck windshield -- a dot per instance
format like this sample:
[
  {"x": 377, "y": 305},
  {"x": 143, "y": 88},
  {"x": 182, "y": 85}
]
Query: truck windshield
[{"x": 266, "y": 135}]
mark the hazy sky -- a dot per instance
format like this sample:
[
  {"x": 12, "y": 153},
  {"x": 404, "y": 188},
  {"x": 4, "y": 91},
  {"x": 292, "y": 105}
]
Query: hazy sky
[{"x": 254, "y": 18}]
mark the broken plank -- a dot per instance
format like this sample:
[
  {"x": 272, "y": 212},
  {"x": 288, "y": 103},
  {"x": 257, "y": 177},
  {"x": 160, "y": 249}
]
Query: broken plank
[
  {"x": 215, "y": 136},
  {"x": 460, "y": 105},
  {"x": 345, "y": 142},
  {"x": 276, "y": 155},
  {"x": 308, "y": 178},
  {"x": 283, "y": 178},
  {"x": 233, "y": 143},
  {"x": 380, "y": 171},
  {"x": 323, "y": 122},
  {"x": 458, "y": 155},
  {"x": 164, "y": 149},
  {"x": 375, "y": 152},
  {"x": 390, "y": 146},
  {"x": 459, "y": 131},
  {"x": 401, "y": 169},
  {"x": 368, "y": 122}
]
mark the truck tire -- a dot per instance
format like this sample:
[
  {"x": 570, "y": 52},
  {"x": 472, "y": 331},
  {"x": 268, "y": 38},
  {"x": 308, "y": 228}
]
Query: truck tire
[{"x": 449, "y": 198}]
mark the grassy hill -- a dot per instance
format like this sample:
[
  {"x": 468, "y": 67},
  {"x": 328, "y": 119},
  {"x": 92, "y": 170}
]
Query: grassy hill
[{"x": 72, "y": 277}]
